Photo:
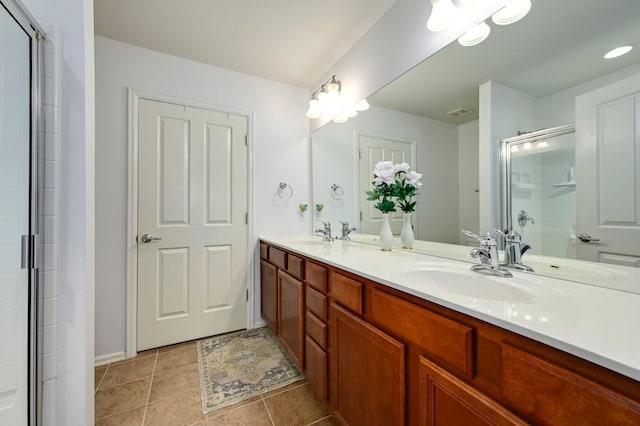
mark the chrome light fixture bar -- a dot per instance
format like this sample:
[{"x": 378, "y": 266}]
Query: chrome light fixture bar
[{"x": 327, "y": 101}]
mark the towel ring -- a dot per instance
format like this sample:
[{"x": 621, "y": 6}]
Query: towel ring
[
  {"x": 285, "y": 191},
  {"x": 336, "y": 192}
]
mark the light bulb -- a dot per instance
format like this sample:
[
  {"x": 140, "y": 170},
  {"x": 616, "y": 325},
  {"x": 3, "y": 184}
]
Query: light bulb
[
  {"x": 527, "y": 145},
  {"x": 363, "y": 105},
  {"x": 542, "y": 144},
  {"x": 342, "y": 118},
  {"x": 442, "y": 15},
  {"x": 475, "y": 35},
  {"x": 514, "y": 148},
  {"x": 314, "y": 110},
  {"x": 352, "y": 113},
  {"x": 512, "y": 12}
]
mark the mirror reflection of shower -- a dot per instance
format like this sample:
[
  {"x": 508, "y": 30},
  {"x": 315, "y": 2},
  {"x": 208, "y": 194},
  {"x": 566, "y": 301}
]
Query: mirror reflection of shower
[{"x": 541, "y": 189}]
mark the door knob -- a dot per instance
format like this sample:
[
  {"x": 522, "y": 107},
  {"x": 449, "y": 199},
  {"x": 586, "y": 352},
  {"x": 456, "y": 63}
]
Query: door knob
[
  {"x": 147, "y": 238},
  {"x": 586, "y": 238}
]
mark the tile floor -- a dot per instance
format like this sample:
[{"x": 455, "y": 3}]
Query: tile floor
[{"x": 161, "y": 387}]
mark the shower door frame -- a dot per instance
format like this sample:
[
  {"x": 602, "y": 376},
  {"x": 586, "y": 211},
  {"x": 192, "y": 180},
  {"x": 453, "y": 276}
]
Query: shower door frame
[{"x": 32, "y": 248}]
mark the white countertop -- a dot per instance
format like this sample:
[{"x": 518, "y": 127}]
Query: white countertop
[{"x": 601, "y": 325}]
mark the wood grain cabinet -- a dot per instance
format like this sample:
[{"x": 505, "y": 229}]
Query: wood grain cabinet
[
  {"x": 380, "y": 356},
  {"x": 446, "y": 400},
  {"x": 367, "y": 372},
  {"x": 291, "y": 316},
  {"x": 269, "y": 295}
]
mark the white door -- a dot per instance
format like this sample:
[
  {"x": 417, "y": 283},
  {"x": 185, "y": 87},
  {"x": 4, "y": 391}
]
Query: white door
[
  {"x": 372, "y": 150},
  {"x": 608, "y": 173},
  {"x": 192, "y": 198}
]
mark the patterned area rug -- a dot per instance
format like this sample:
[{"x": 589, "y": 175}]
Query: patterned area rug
[{"x": 237, "y": 366}]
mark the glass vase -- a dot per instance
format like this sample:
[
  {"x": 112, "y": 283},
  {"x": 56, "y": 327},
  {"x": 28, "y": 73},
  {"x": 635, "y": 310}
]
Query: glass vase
[
  {"x": 406, "y": 235},
  {"x": 386, "y": 234}
]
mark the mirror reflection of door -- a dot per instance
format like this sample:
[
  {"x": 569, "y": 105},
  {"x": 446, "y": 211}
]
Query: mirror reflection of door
[
  {"x": 608, "y": 173},
  {"x": 372, "y": 150}
]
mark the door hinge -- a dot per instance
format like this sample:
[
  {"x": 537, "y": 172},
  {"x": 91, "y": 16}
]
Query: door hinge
[
  {"x": 246, "y": 218},
  {"x": 360, "y": 215},
  {"x": 246, "y": 140},
  {"x": 360, "y": 154},
  {"x": 247, "y": 295}
]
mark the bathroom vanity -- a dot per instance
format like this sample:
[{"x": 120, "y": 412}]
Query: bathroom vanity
[{"x": 393, "y": 338}]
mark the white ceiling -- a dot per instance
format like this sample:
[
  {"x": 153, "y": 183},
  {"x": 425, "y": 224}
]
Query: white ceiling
[
  {"x": 292, "y": 41},
  {"x": 558, "y": 45}
]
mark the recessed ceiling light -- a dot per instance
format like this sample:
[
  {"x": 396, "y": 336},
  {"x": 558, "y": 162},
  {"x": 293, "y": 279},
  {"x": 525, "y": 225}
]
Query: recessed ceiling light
[{"x": 618, "y": 51}]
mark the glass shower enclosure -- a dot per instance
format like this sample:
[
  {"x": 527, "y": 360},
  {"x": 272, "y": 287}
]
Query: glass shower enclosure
[
  {"x": 19, "y": 133},
  {"x": 539, "y": 189}
]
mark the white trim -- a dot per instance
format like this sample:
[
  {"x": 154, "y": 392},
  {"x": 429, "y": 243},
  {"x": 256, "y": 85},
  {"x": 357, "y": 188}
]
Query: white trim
[
  {"x": 109, "y": 358},
  {"x": 134, "y": 96}
]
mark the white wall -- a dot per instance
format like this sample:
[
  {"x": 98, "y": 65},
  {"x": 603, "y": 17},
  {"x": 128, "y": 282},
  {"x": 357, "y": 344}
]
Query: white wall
[
  {"x": 436, "y": 158},
  {"x": 71, "y": 120},
  {"x": 280, "y": 153}
]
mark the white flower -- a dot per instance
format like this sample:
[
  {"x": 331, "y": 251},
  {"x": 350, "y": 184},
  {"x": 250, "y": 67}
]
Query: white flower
[
  {"x": 402, "y": 167},
  {"x": 382, "y": 165},
  {"x": 384, "y": 176},
  {"x": 413, "y": 178}
]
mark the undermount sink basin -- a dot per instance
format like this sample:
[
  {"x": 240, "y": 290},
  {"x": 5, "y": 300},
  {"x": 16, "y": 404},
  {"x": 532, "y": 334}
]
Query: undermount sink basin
[{"x": 472, "y": 284}]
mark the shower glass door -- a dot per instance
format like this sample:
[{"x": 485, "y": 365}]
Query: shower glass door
[{"x": 16, "y": 276}]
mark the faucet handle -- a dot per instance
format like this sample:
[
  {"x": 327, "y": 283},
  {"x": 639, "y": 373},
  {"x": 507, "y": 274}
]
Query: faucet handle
[
  {"x": 485, "y": 239},
  {"x": 511, "y": 236}
]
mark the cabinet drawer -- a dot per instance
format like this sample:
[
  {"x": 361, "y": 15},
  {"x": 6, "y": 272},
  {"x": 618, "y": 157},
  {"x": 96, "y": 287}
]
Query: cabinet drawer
[
  {"x": 278, "y": 257},
  {"x": 295, "y": 266},
  {"x": 317, "y": 330},
  {"x": 554, "y": 395},
  {"x": 264, "y": 251},
  {"x": 317, "y": 303},
  {"x": 441, "y": 338},
  {"x": 316, "y": 276},
  {"x": 346, "y": 292}
]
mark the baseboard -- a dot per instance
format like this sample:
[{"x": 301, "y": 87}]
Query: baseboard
[
  {"x": 108, "y": 358},
  {"x": 259, "y": 323}
]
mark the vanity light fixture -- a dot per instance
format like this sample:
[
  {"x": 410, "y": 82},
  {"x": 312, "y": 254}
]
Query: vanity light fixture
[
  {"x": 446, "y": 13},
  {"x": 325, "y": 99},
  {"x": 618, "y": 51},
  {"x": 363, "y": 105}
]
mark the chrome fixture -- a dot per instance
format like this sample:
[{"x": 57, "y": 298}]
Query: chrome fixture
[
  {"x": 586, "y": 238},
  {"x": 337, "y": 192},
  {"x": 284, "y": 191},
  {"x": 147, "y": 238},
  {"x": 523, "y": 218},
  {"x": 346, "y": 230},
  {"x": 325, "y": 232},
  {"x": 488, "y": 255},
  {"x": 328, "y": 101},
  {"x": 514, "y": 250}
]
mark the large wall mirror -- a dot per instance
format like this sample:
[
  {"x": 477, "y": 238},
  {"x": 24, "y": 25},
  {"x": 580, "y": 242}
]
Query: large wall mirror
[{"x": 544, "y": 71}]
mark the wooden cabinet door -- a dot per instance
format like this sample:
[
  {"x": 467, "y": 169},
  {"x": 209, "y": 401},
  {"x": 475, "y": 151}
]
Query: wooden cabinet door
[
  {"x": 268, "y": 295},
  {"x": 446, "y": 400},
  {"x": 291, "y": 316},
  {"x": 316, "y": 363},
  {"x": 367, "y": 367}
]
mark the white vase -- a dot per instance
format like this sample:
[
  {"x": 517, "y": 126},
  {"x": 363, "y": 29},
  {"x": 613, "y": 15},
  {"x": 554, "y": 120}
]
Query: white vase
[
  {"x": 406, "y": 236},
  {"x": 386, "y": 234}
]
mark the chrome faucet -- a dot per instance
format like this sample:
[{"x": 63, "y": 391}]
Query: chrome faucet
[
  {"x": 514, "y": 250},
  {"x": 488, "y": 255},
  {"x": 346, "y": 230},
  {"x": 326, "y": 232}
]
